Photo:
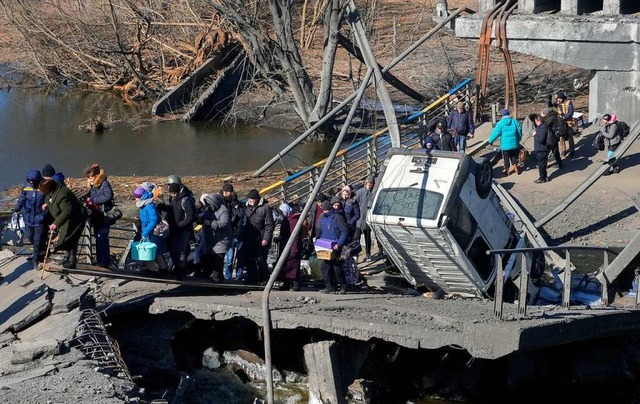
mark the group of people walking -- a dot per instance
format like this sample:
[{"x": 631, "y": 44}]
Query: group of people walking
[
  {"x": 48, "y": 206},
  {"x": 450, "y": 134}
]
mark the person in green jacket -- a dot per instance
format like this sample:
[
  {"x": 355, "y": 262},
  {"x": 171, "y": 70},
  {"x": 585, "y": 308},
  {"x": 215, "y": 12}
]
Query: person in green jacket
[
  {"x": 68, "y": 219},
  {"x": 509, "y": 131}
]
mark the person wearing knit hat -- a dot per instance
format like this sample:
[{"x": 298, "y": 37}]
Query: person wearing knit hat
[
  {"x": 321, "y": 197},
  {"x": 253, "y": 194},
  {"x": 257, "y": 236},
  {"x": 48, "y": 171},
  {"x": 313, "y": 218},
  {"x": 138, "y": 192},
  {"x": 336, "y": 200},
  {"x": 68, "y": 219},
  {"x": 100, "y": 201},
  {"x": 332, "y": 231},
  {"x": 30, "y": 205},
  {"x": 181, "y": 214},
  {"x": 227, "y": 187},
  {"x": 351, "y": 209},
  {"x": 509, "y": 131},
  {"x": 291, "y": 269},
  {"x": 461, "y": 126},
  {"x": 152, "y": 226}
]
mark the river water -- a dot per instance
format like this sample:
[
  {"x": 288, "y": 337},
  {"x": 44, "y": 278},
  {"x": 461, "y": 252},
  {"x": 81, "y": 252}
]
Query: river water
[{"x": 39, "y": 127}]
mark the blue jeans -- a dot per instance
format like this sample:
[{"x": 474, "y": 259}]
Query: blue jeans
[
  {"x": 234, "y": 249},
  {"x": 103, "y": 252},
  {"x": 462, "y": 143}
]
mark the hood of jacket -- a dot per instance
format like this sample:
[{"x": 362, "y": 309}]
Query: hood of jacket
[
  {"x": 145, "y": 199},
  {"x": 99, "y": 179},
  {"x": 34, "y": 175}
]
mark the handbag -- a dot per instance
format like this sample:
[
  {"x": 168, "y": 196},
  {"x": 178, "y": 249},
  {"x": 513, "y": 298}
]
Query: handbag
[
  {"x": 161, "y": 229},
  {"x": 351, "y": 250}
]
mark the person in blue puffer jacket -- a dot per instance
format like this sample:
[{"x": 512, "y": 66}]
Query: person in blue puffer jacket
[
  {"x": 509, "y": 131},
  {"x": 333, "y": 226},
  {"x": 30, "y": 204},
  {"x": 149, "y": 218}
]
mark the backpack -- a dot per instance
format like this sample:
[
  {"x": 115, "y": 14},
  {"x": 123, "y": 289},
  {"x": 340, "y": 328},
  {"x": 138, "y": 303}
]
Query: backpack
[
  {"x": 623, "y": 129},
  {"x": 598, "y": 141},
  {"x": 552, "y": 138},
  {"x": 561, "y": 128}
]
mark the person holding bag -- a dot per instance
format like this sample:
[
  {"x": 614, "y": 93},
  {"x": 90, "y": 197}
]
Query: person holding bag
[
  {"x": 100, "y": 201},
  {"x": 149, "y": 219}
]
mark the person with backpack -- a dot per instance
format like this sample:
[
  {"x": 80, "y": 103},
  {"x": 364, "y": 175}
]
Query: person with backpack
[
  {"x": 540, "y": 147},
  {"x": 182, "y": 215},
  {"x": 461, "y": 123},
  {"x": 554, "y": 124},
  {"x": 30, "y": 205},
  {"x": 565, "y": 111},
  {"x": 100, "y": 202},
  {"x": 612, "y": 140},
  {"x": 509, "y": 131}
]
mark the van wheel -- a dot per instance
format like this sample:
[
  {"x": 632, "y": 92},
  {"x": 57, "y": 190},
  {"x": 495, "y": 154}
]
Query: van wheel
[{"x": 483, "y": 176}]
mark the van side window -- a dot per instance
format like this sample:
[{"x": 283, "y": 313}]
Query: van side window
[{"x": 462, "y": 225}]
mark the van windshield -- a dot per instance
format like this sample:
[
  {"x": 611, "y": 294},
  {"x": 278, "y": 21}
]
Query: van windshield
[{"x": 408, "y": 202}]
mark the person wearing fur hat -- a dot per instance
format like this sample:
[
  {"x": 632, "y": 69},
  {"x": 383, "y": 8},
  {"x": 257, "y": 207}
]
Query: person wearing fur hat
[
  {"x": 68, "y": 219},
  {"x": 257, "y": 236},
  {"x": 30, "y": 204},
  {"x": 100, "y": 201},
  {"x": 149, "y": 218},
  {"x": 215, "y": 236},
  {"x": 291, "y": 269}
]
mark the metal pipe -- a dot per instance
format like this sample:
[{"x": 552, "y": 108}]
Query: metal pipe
[
  {"x": 266, "y": 314},
  {"x": 350, "y": 98}
]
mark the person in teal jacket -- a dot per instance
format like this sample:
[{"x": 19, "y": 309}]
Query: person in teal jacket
[{"x": 509, "y": 131}]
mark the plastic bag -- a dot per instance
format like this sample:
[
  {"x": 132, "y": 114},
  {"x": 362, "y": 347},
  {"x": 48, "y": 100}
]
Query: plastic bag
[{"x": 12, "y": 235}]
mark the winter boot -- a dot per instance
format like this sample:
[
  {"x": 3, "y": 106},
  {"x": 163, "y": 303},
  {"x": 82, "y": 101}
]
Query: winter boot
[{"x": 73, "y": 259}]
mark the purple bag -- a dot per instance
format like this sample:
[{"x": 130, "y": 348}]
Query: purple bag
[{"x": 326, "y": 243}]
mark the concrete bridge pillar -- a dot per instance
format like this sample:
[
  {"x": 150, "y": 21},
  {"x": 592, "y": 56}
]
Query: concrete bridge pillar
[
  {"x": 569, "y": 7},
  {"x": 486, "y": 5},
  {"x": 441, "y": 8},
  {"x": 611, "y": 7}
]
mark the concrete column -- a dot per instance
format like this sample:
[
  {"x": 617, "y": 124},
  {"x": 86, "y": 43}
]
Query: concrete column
[
  {"x": 486, "y": 5},
  {"x": 615, "y": 93},
  {"x": 332, "y": 367},
  {"x": 569, "y": 7},
  {"x": 526, "y": 6},
  {"x": 441, "y": 8},
  {"x": 611, "y": 7}
]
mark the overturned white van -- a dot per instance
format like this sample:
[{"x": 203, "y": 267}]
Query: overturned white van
[{"x": 436, "y": 215}]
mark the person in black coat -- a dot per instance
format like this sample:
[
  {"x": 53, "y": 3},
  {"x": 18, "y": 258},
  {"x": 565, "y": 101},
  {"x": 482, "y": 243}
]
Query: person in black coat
[{"x": 540, "y": 148}]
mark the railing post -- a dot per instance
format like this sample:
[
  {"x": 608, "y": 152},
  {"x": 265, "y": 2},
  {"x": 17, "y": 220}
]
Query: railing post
[
  {"x": 283, "y": 192},
  {"x": 499, "y": 285},
  {"x": 566, "y": 293},
  {"x": 372, "y": 157},
  {"x": 343, "y": 164},
  {"x": 467, "y": 98},
  {"x": 605, "y": 287},
  {"x": 447, "y": 108},
  {"x": 524, "y": 284}
]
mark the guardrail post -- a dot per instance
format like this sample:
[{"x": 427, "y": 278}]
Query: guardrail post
[
  {"x": 343, "y": 171},
  {"x": 499, "y": 286},
  {"x": 566, "y": 293},
  {"x": 605, "y": 287},
  {"x": 524, "y": 284}
]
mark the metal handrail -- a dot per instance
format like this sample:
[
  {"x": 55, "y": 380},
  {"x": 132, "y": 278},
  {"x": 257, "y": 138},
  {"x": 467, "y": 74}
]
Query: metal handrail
[
  {"x": 498, "y": 299},
  {"x": 361, "y": 159}
]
